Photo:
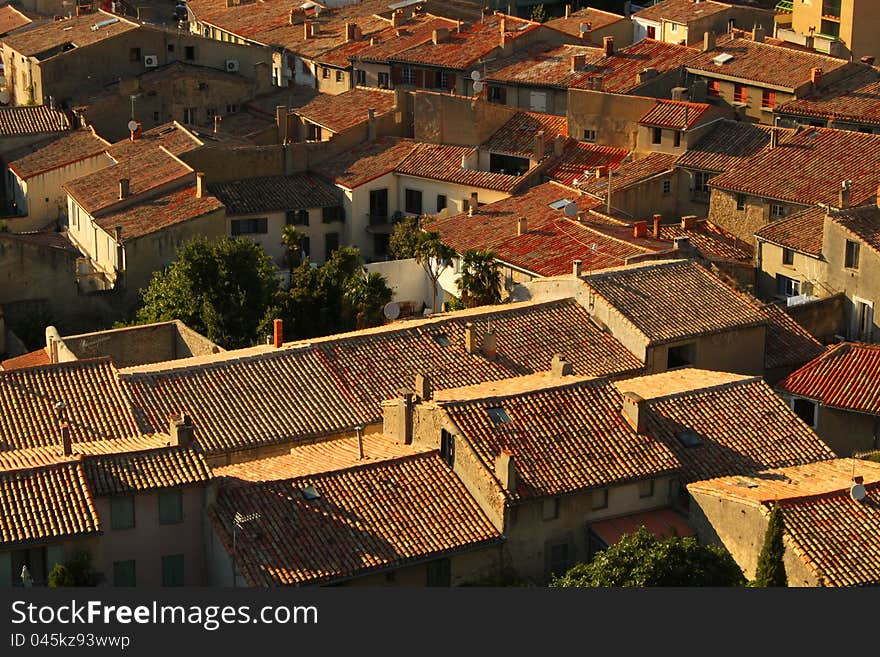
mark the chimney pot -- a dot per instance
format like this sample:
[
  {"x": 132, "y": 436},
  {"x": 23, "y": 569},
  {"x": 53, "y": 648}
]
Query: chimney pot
[
  {"x": 522, "y": 226},
  {"x": 470, "y": 339},
  {"x": 608, "y": 45},
  {"x": 816, "y": 76},
  {"x": 633, "y": 410},
  {"x": 424, "y": 389},
  {"x": 505, "y": 470},
  {"x": 490, "y": 345},
  {"x": 182, "y": 432},
  {"x": 689, "y": 221},
  {"x": 708, "y": 41},
  {"x": 576, "y": 268},
  {"x": 568, "y": 11},
  {"x": 124, "y": 188},
  {"x": 474, "y": 204},
  {"x": 657, "y": 219},
  {"x": 843, "y": 196},
  {"x": 560, "y": 367},
  {"x": 278, "y": 333},
  {"x": 200, "y": 184},
  {"x": 640, "y": 229},
  {"x": 66, "y": 441},
  {"x": 858, "y": 479},
  {"x": 682, "y": 244}
]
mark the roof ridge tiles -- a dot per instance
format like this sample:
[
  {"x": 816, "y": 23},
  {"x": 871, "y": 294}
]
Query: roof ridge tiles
[{"x": 703, "y": 389}]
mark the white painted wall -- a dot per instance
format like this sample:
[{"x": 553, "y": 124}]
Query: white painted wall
[{"x": 406, "y": 278}]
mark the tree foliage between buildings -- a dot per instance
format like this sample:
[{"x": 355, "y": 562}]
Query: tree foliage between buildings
[
  {"x": 539, "y": 14},
  {"x": 480, "y": 281},
  {"x": 405, "y": 239},
  {"x": 640, "y": 559},
  {"x": 434, "y": 256},
  {"x": 771, "y": 568},
  {"x": 292, "y": 238},
  {"x": 77, "y": 571}
]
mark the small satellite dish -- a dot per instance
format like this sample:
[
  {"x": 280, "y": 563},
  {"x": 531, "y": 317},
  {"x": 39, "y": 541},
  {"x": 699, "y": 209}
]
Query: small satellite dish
[
  {"x": 570, "y": 210},
  {"x": 584, "y": 27},
  {"x": 4, "y": 96},
  {"x": 858, "y": 492},
  {"x": 132, "y": 126},
  {"x": 391, "y": 310},
  {"x": 475, "y": 76},
  {"x": 478, "y": 86}
]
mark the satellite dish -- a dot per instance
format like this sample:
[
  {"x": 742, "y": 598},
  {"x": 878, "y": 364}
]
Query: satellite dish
[
  {"x": 584, "y": 27},
  {"x": 858, "y": 492},
  {"x": 475, "y": 76},
  {"x": 570, "y": 210},
  {"x": 132, "y": 126},
  {"x": 478, "y": 86},
  {"x": 391, "y": 310},
  {"x": 4, "y": 96}
]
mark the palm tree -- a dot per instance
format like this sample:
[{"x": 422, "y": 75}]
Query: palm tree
[
  {"x": 367, "y": 295},
  {"x": 480, "y": 282},
  {"x": 434, "y": 256},
  {"x": 293, "y": 240}
]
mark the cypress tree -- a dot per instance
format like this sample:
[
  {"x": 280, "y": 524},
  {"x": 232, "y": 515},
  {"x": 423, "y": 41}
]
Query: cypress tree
[{"x": 771, "y": 569}]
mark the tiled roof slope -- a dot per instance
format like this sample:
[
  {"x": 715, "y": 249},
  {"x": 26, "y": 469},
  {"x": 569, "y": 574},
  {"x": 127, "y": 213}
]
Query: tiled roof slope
[
  {"x": 729, "y": 145},
  {"x": 31, "y": 359},
  {"x": 45, "y": 239},
  {"x": 578, "y": 157},
  {"x": 863, "y": 222},
  {"x": 711, "y": 241},
  {"x": 45, "y": 504},
  {"x": 629, "y": 174},
  {"x": 173, "y": 137},
  {"x": 366, "y": 519},
  {"x": 12, "y": 19},
  {"x": 843, "y": 377},
  {"x": 681, "y": 11},
  {"x": 31, "y": 120},
  {"x": 788, "y": 344},
  {"x": 853, "y": 99},
  {"x": 274, "y": 194},
  {"x": 262, "y": 396},
  {"x": 444, "y": 162},
  {"x": 346, "y": 110},
  {"x": 96, "y": 407},
  {"x": 367, "y": 162},
  {"x": 73, "y": 147},
  {"x": 596, "y": 18},
  {"x": 517, "y": 136},
  {"x": 674, "y": 114},
  {"x": 33, "y": 457},
  {"x": 675, "y": 300},
  {"x": 619, "y": 72},
  {"x": 822, "y": 158},
  {"x": 541, "y": 65},
  {"x": 76, "y": 30},
  {"x": 801, "y": 231},
  {"x": 168, "y": 467}
]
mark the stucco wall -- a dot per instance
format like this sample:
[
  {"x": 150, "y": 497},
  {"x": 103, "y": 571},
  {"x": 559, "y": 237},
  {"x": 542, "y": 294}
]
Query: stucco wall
[
  {"x": 847, "y": 432},
  {"x": 614, "y": 117},
  {"x": 444, "y": 119}
]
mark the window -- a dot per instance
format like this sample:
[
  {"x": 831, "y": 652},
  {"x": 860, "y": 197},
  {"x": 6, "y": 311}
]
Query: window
[
  {"x": 122, "y": 512},
  {"x": 680, "y": 355},
  {"x": 777, "y": 211},
  {"x": 676, "y": 138},
  {"x": 408, "y": 75},
  {"x": 306, "y": 244},
  {"x": 257, "y": 226},
  {"x": 134, "y": 54},
  {"x": 558, "y": 559},
  {"x": 768, "y": 99},
  {"x": 189, "y": 52},
  {"x": 600, "y": 499},
  {"x": 497, "y": 94},
  {"x": 589, "y": 135},
  {"x": 172, "y": 570},
  {"x": 701, "y": 185},
  {"x": 851, "y": 255},
  {"x": 441, "y": 80},
  {"x": 382, "y": 80},
  {"x": 413, "y": 201},
  {"x": 447, "y": 447},
  {"x": 339, "y": 76},
  {"x": 740, "y": 202},
  {"x": 170, "y": 47},
  {"x": 805, "y": 409},
  {"x": 656, "y": 135},
  {"x": 325, "y": 73},
  {"x": 551, "y": 509},
  {"x": 441, "y": 202},
  {"x": 189, "y": 115},
  {"x": 863, "y": 320},
  {"x": 170, "y": 507},
  {"x": 667, "y": 187},
  {"x": 297, "y": 217},
  {"x": 156, "y": 116},
  {"x": 360, "y": 77},
  {"x": 787, "y": 257},
  {"x": 740, "y": 95},
  {"x": 439, "y": 572},
  {"x": 646, "y": 488},
  {"x": 334, "y": 213},
  {"x": 498, "y": 415},
  {"x": 231, "y": 108},
  {"x": 331, "y": 243},
  {"x": 538, "y": 101},
  {"x": 673, "y": 27},
  {"x": 124, "y": 573},
  {"x": 713, "y": 88},
  {"x": 652, "y": 32},
  {"x": 787, "y": 287},
  {"x": 689, "y": 438}
]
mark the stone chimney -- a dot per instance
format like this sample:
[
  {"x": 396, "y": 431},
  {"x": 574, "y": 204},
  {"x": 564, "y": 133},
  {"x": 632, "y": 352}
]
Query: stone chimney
[
  {"x": 774, "y": 138},
  {"x": 505, "y": 470},
  {"x": 66, "y": 441},
  {"x": 758, "y": 33},
  {"x": 816, "y": 76},
  {"x": 682, "y": 244},
  {"x": 689, "y": 221},
  {"x": 200, "y": 184},
  {"x": 473, "y": 204},
  {"x": 843, "y": 195},
  {"x": 577, "y": 265},
  {"x": 538, "y": 145},
  {"x": 349, "y": 32},
  {"x": 440, "y": 36},
  {"x": 396, "y": 18},
  {"x": 397, "y": 417},
  {"x": 522, "y": 226},
  {"x": 124, "y": 188},
  {"x": 490, "y": 344},
  {"x": 708, "y": 41},
  {"x": 657, "y": 219},
  {"x": 181, "y": 430},
  {"x": 633, "y": 411},
  {"x": 577, "y": 62},
  {"x": 559, "y": 146},
  {"x": 640, "y": 229},
  {"x": 424, "y": 389},
  {"x": 371, "y": 124},
  {"x": 568, "y": 11},
  {"x": 608, "y": 45},
  {"x": 278, "y": 333},
  {"x": 470, "y": 338},
  {"x": 560, "y": 367}
]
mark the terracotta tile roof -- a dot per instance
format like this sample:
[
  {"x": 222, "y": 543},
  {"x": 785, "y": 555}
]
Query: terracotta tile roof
[
  {"x": 339, "y": 113},
  {"x": 742, "y": 426},
  {"x": 46, "y": 504},
  {"x": 788, "y": 344},
  {"x": 464, "y": 49},
  {"x": 863, "y": 222},
  {"x": 662, "y": 523},
  {"x": 822, "y": 157},
  {"x": 619, "y": 72},
  {"x": 274, "y": 193},
  {"x": 42, "y": 41},
  {"x": 674, "y": 300},
  {"x": 365, "y": 519},
  {"x": 367, "y": 162},
  {"x": 674, "y": 114},
  {"x": 577, "y": 157},
  {"x": 173, "y": 137},
  {"x": 711, "y": 241},
  {"x": 763, "y": 63},
  {"x": 596, "y": 18},
  {"x": 166, "y": 467},
  {"x": 517, "y": 136},
  {"x": 31, "y": 120},
  {"x": 325, "y": 456},
  {"x": 843, "y": 377},
  {"x": 33, "y": 457},
  {"x": 801, "y": 231},
  {"x": 855, "y": 99},
  {"x": 32, "y": 359},
  {"x": 96, "y": 407},
  {"x": 629, "y": 174},
  {"x": 681, "y": 11},
  {"x": 552, "y": 242},
  {"x": 443, "y": 162},
  {"x": 729, "y": 145},
  {"x": 12, "y": 19},
  {"x": 66, "y": 150},
  {"x": 541, "y": 65},
  {"x": 340, "y": 381}
]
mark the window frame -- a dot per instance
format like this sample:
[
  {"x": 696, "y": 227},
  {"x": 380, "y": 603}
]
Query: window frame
[
  {"x": 713, "y": 88},
  {"x": 768, "y": 99},
  {"x": 116, "y": 522},
  {"x": 740, "y": 94},
  {"x": 360, "y": 76},
  {"x": 786, "y": 283},
  {"x": 409, "y": 195},
  {"x": 249, "y": 226},
  {"x": 656, "y": 135},
  {"x": 166, "y": 559},
  {"x": 787, "y": 257},
  {"x": 442, "y": 205},
  {"x": 117, "y": 572},
  {"x": 667, "y": 187},
  {"x": 176, "y": 495},
  {"x": 815, "y": 406},
  {"x": 650, "y": 489},
  {"x": 589, "y": 136},
  {"x": 851, "y": 255}
]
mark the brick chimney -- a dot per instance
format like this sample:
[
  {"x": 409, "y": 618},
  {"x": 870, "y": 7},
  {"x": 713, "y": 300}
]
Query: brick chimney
[
  {"x": 816, "y": 76},
  {"x": 689, "y": 221},
  {"x": 470, "y": 338},
  {"x": 577, "y": 62},
  {"x": 708, "y": 41},
  {"x": 843, "y": 195},
  {"x": 522, "y": 226},
  {"x": 278, "y": 333},
  {"x": 124, "y": 188},
  {"x": 608, "y": 45},
  {"x": 490, "y": 344},
  {"x": 577, "y": 265},
  {"x": 440, "y": 36},
  {"x": 657, "y": 219},
  {"x": 505, "y": 470},
  {"x": 423, "y": 386},
  {"x": 633, "y": 411},
  {"x": 538, "y": 145},
  {"x": 200, "y": 184},
  {"x": 66, "y": 441},
  {"x": 560, "y": 367},
  {"x": 181, "y": 430},
  {"x": 503, "y": 26},
  {"x": 640, "y": 229}
]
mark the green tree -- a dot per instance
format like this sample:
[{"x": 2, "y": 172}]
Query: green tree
[
  {"x": 771, "y": 569},
  {"x": 292, "y": 238},
  {"x": 405, "y": 238},
  {"x": 480, "y": 282},
  {"x": 434, "y": 256},
  {"x": 60, "y": 576},
  {"x": 77, "y": 571},
  {"x": 367, "y": 294},
  {"x": 539, "y": 14},
  {"x": 221, "y": 288},
  {"x": 640, "y": 559}
]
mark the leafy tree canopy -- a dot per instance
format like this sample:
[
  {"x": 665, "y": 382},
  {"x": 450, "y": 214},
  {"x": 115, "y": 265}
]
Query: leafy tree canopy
[
  {"x": 405, "y": 239},
  {"x": 480, "y": 281}
]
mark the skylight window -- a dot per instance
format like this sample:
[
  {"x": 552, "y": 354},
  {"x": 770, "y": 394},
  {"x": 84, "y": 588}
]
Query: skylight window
[
  {"x": 310, "y": 493},
  {"x": 561, "y": 203},
  {"x": 498, "y": 415},
  {"x": 722, "y": 59},
  {"x": 442, "y": 340},
  {"x": 689, "y": 438}
]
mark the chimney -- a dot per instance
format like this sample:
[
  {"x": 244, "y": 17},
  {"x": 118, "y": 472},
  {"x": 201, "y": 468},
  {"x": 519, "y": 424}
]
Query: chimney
[
  {"x": 490, "y": 344},
  {"x": 858, "y": 479},
  {"x": 758, "y": 33},
  {"x": 474, "y": 204},
  {"x": 397, "y": 417},
  {"x": 278, "y": 333},
  {"x": 682, "y": 244},
  {"x": 470, "y": 339},
  {"x": 66, "y": 441},
  {"x": 633, "y": 411},
  {"x": 657, "y": 219},
  {"x": 577, "y": 265},
  {"x": 878, "y": 196},
  {"x": 200, "y": 185},
  {"x": 124, "y": 188},
  {"x": 505, "y": 470},
  {"x": 774, "y": 138},
  {"x": 688, "y": 221},
  {"x": 522, "y": 226},
  {"x": 292, "y": 17},
  {"x": 708, "y": 41},
  {"x": 396, "y": 18},
  {"x": 51, "y": 102},
  {"x": 424, "y": 389},
  {"x": 560, "y": 367},
  {"x": 816, "y": 76},
  {"x": 577, "y": 61},
  {"x": 608, "y": 45},
  {"x": 182, "y": 432},
  {"x": 308, "y": 31},
  {"x": 440, "y": 36},
  {"x": 568, "y": 11},
  {"x": 843, "y": 196},
  {"x": 503, "y": 25},
  {"x": 349, "y": 32},
  {"x": 627, "y": 9},
  {"x": 371, "y": 124},
  {"x": 117, "y": 231},
  {"x": 867, "y": 59},
  {"x": 538, "y": 145},
  {"x": 640, "y": 229}
]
